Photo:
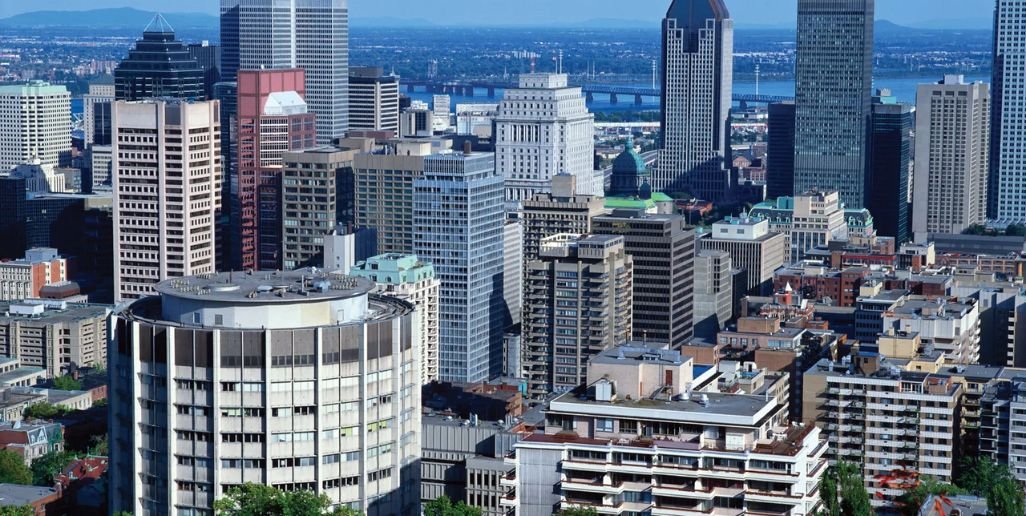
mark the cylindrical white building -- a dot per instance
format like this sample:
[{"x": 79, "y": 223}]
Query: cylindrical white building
[{"x": 300, "y": 380}]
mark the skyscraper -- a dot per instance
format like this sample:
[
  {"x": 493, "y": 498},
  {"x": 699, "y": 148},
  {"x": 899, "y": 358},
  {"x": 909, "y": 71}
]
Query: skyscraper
[
  {"x": 166, "y": 201},
  {"x": 1008, "y": 119},
  {"x": 698, "y": 57},
  {"x": 543, "y": 129},
  {"x": 309, "y": 201},
  {"x": 34, "y": 122},
  {"x": 833, "y": 91},
  {"x": 384, "y": 192},
  {"x": 952, "y": 156},
  {"x": 373, "y": 100},
  {"x": 273, "y": 119},
  {"x": 458, "y": 213},
  {"x": 159, "y": 66},
  {"x": 311, "y": 34},
  {"x": 780, "y": 150},
  {"x": 888, "y": 197},
  {"x": 96, "y": 110}
]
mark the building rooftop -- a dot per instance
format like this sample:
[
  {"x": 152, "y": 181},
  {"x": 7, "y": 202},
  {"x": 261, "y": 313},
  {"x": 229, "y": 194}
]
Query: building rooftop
[
  {"x": 698, "y": 408},
  {"x": 299, "y": 286},
  {"x": 15, "y": 495},
  {"x": 54, "y": 311}
]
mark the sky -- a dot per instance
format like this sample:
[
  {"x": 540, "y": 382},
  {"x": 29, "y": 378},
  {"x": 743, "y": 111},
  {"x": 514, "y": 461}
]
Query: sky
[{"x": 915, "y": 13}]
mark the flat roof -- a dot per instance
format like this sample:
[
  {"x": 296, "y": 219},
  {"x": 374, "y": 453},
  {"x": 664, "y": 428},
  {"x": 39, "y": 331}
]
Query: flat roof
[
  {"x": 15, "y": 495},
  {"x": 73, "y": 312},
  {"x": 303, "y": 285},
  {"x": 743, "y": 405}
]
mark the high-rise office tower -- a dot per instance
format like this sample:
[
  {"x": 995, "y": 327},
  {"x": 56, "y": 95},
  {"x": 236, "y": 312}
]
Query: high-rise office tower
[
  {"x": 406, "y": 277},
  {"x": 311, "y": 34},
  {"x": 714, "y": 292},
  {"x": 698, "y": 57},
  {"x": 96, "y": 110},
  {"x": 208, "y": 57},
  {"x": 888, "y": 197},
  {"x": 458, "y": 217},
  {"x": 780, "y": 150},
  {"x": 663, "y": 249},
  {"x": 309, "y": 201},
  {"x": 167, "y": 192},
  {"x": 273, "y": 119},
  {"x": 543, "y": 129},
  {"x": 513, "y": 271},
  {"x": 1008, "y": 117},
  {"x": 952, "y": 156},
  {"x": 298, "y": 380},
  {"x": 752, "y": 247},
  {"x": 159, "y": 66},
  {"x": 373, "y": 100},
  {"x": 833, "y": 91},
  {"x": 562, "y": 210},
  {"x": 34, "y": 122},
  {"x": 384, "y": 192},
  {"x": 577, "y": 303}
]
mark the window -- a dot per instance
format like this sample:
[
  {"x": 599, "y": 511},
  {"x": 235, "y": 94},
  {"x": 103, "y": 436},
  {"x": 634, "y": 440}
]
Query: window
[{"x": 603, "y": 425}]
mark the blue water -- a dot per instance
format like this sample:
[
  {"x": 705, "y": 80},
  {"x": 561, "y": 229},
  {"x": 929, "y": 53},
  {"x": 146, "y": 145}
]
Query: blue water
[{"x": 902, "y": 88}]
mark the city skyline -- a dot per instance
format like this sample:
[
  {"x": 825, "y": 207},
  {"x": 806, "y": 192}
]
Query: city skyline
[{"x": 747, "y": 13}]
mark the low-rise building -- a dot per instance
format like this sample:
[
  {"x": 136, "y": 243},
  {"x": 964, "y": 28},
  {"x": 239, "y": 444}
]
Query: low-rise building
[
  {"x": 651, "y": 434},
  {"x": 53, "y": 335},
  {"x": 752, "y": 247},
  {"x": 714, "y": 292},
  {"x": 31, "y": 440},
  {"x": 43, "y": 500},
  {"x": 949, "y": 326},
  {"x": 25, "y": 278}
]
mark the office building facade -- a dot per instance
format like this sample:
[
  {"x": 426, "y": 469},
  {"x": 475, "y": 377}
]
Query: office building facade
[
  {"x": 96, "y": 112},
  {"x": 562, "y": 210},
  {"x": 543, "y": 128},
  {"x": 697, "y": 67},
  {"x": 384, "y": 192},
  {"x": 373, "y": 100},
  {"x": 54, "y": 337},
  {"x": 714, "y": 292},
  {"x": 159, "y": 66},
  {"x": 34, "y": 122},
  {"x": 272, "y": 119},
  {"x": 297, "y": 380},
  {"x": 578, "y": 302},
  {"x": 952, "y": 156},
  {"x": 889, "y": 197},
  {"x": 780, "y": 150},
  {"x": 312, "y": 35},
  {"x": 752, "y": 248},
  {"x": 1008, "y": 115},
  {"x": 458, "y": 219},
  {"x": 309, "y": 202},
  {"x": 833, "y": 90},
  {"x": 166, "y": 202}
]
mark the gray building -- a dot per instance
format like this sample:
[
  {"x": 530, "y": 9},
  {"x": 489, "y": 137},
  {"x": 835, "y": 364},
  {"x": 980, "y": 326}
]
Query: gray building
[
  {"x": 298, "y": 380},
  {"x": 384, "y": 192},
  {"x": 714, "y": 292},
  {"x": 562, "y": 210},
  {"x": 697, "y": 59},
  {"x": 513, "y": 271},
  {"x": 578, "y": 302},
  {"x": 663, "y": 249},
  {"x": 309, "y": 201},
  {"x": 833, "y": 89},
  {"x": 54, "y": 337},
  {"x": 312, "y": 35},
  {"x": 1008, "y": 119},
  {"x": 458, "y": 220}
]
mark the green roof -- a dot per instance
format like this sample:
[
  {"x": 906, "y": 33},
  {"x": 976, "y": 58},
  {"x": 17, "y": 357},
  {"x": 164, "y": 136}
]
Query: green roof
[{"x": 629, "y": 203}]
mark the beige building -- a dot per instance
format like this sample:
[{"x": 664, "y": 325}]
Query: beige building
[
  {"x": 950, "y": 327},
  {"x": 651, "y": 435},
  {"x": 384, "y": 192},
  {"x": 752, "y": 247},
  {"x": 167, "y": 192},
  {"x": 54, "y": 335},
  {"x": 35, "y": 122},
  {"x": 309, "y": 204},
  {"x": 952, "y": 156},
  {"x": 562, "y": 210},
  {"x": 23, "y": 279},
  {"x": 897, "y": 423},
  {"x": 809, "y": 220},
  {"x": 578, "y": 302}
]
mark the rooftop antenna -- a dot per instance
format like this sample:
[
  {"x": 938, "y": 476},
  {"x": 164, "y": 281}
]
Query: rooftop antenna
[
  {"x": 655, "y": 71},
  {"x": 559, "y": 64},
  {"x": 757, "y": 79}
]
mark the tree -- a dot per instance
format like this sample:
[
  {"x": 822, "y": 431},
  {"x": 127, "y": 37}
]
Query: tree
[
  {"x": 99, "y": 446},
  {"x": 844, "y": 492},
  {"x": 13, "y": 469},
  {"x": 444, "y": 507},
  {"x": 24, "y": 510},
  {"x": 46, "y": 468},
  {"x": 66, "y": 383},
  {"x": 985, "y": 478},
  {"x": 44, "y": 410},
  {"x": 914, "y": 498},
  {"x": 577, "y": 511},
  {"x": 258, "y": 499},
  {"x": 975, "y": 229},
  {"x": 1018, "y": 230}
]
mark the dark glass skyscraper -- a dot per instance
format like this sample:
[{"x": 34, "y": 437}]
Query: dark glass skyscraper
[
  {"x": 158, "y": 66},
  {"x": 780, "y": 150},
  {"x": 698, "y": 49},
  {"x": 887, "y": 196},
  {"x": 833, "y": 93}
]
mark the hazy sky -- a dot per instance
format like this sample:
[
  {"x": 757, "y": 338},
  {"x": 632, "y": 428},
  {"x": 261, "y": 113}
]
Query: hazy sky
[{"x": 749, "y": 12}]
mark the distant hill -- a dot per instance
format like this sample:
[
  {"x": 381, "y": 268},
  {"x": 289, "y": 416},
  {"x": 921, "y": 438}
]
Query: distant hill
[{"x": 120, "y": 18}]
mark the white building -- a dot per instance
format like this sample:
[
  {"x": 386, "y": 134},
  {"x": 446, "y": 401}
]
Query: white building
[
  {"x": 35, "y": 122},
  {"x": 952, "y": 156},
  {"x": 543, "y": 129},
  {"x": 312, "y": 35},
  {"x": 513, "y": 269},
  {"x": 649, "y": 437},
  {"x": 752, "y": 247},
  {"x": 808, "y": 221},
  {"x": 441, "y": 107},
  {"x": 1008, "y": 154},
  {"x": 298, "y": 380},
  {"x": 99, "y": 93},
  {"x": 166, "y": 201},
  {"x": 476, "y": 119},
  {"x": 373, "y": 100},
  {"x": 952, "y": 328},
  {"x": 23, "y": 279}
]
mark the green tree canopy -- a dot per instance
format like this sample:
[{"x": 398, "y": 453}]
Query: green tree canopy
[
  {"x": 914, "y": 498},
  {"x": 67, "y": 383},
  {"x": 444, "y": 507},
  {"x": 24, "y": 510},
  {"x": 577, "y": 511},
  {"x": 44, "y": 410},
  {"x": 1015, "y": 230},
  {"x": 985, "y": 478},
  {"x": 13, "y": 469},
  {"x": 46, "y": 468},
  {"x": 844, "y": 492},
  {"x": 258, "y": 500}
]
